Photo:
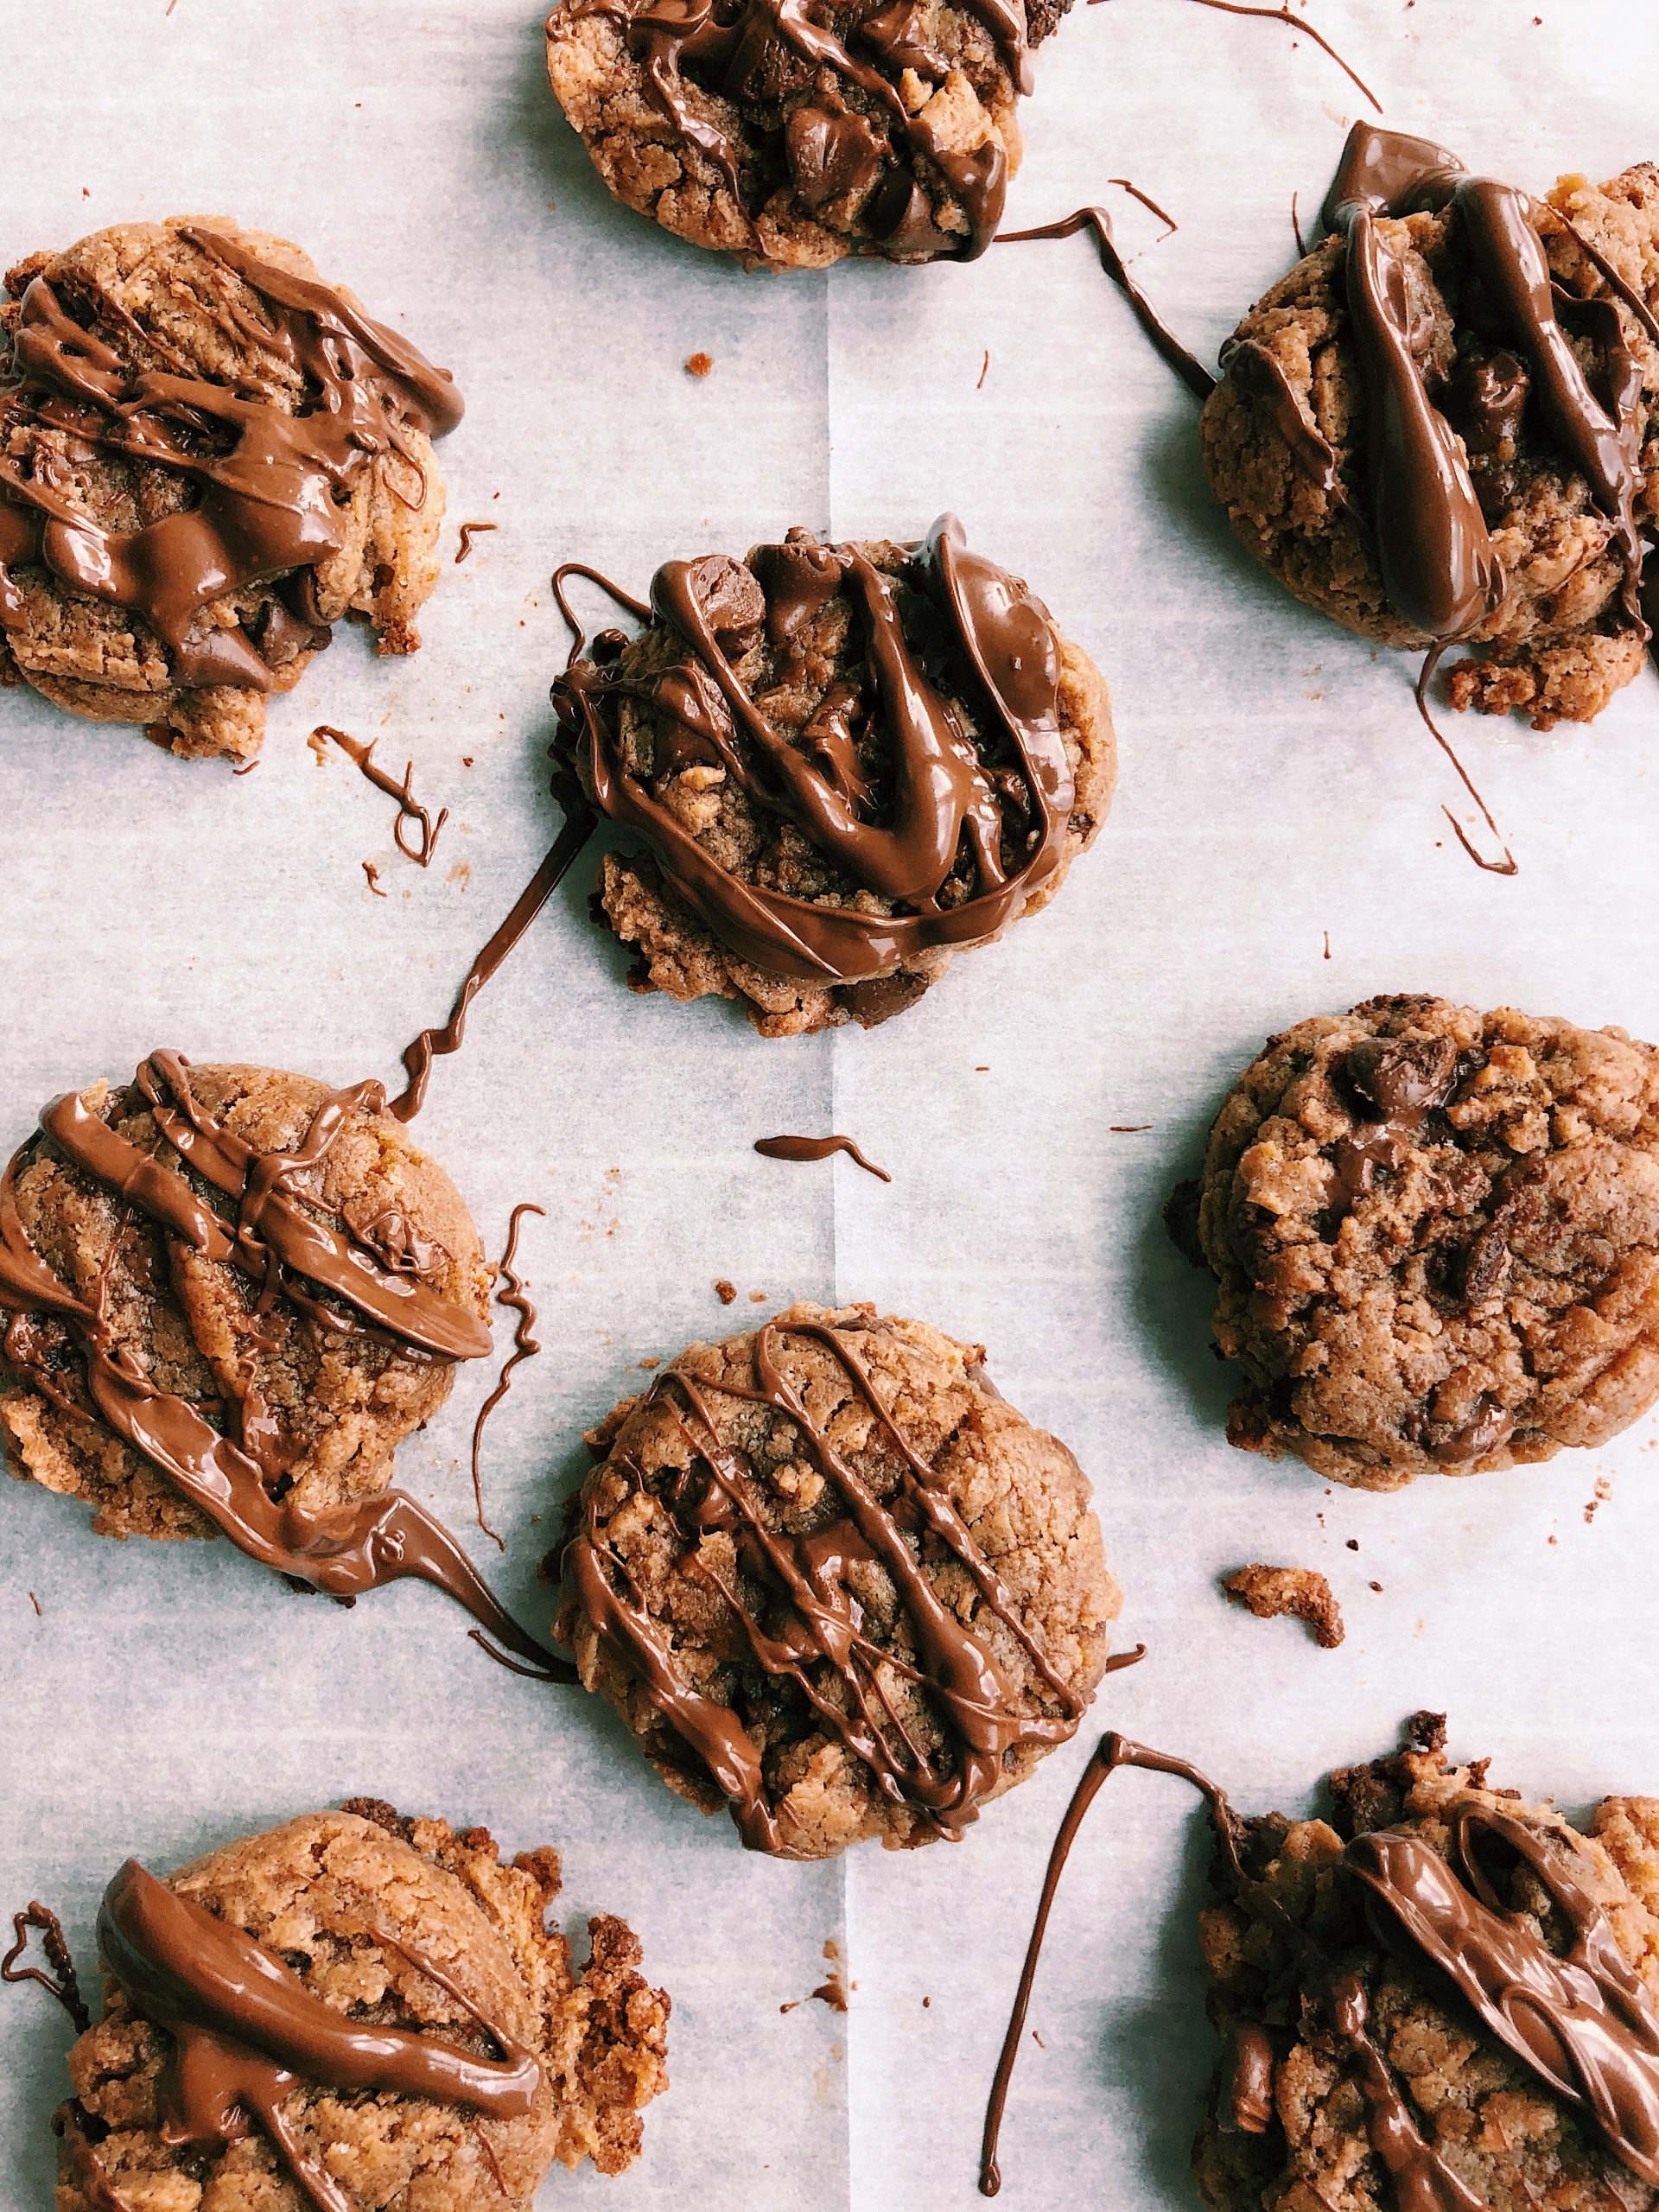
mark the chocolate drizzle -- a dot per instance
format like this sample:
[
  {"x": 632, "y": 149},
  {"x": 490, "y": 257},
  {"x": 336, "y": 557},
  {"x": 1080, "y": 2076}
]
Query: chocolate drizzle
[
  {"x": 525, "y": 1346},
  {"x": 954, "y": 822},
  {"x": 247, "y": 2033},
  {"x": 431, "y": 1044},
  {"x": 1583, "y": 2023},
  {"x": 811, "y": 1148},
  {"x": 1191, "y": 371},
  {"x": 272, "y": 488},
  {"x": 58, "y": 1976},
  {"x": 340, "y": 1280},
  {"x": 831, "y": 148},
  {"x": 813, "y": 1636},
  {"x": 409, "y": 807}
]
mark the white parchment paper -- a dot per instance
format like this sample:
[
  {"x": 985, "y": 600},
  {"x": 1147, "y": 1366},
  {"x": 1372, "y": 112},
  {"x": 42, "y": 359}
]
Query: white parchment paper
[{"x": 1276, "y": 786}]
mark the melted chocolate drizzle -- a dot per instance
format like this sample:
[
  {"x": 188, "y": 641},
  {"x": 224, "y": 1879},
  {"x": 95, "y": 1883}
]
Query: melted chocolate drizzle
[
  {"x": 830, "y": 148},
  {"x": 273, "y": 488},
  {"x": 58, "y": 1976},
  {"x": 812, "y": 1149},
  {"x": 409, "y": 807},
  {"x": 579, "y": 824},
  {"x": 236, "y": 1477},
  {"x": 821, "y": 1622},
  {"x": 1191, "y": 371},
  {"x": 247, "y": 2032},
  {"x": 1583, "y": 2023},
  {"x": 944, "y": 796},
  {"x": 525, "y": 1346}
]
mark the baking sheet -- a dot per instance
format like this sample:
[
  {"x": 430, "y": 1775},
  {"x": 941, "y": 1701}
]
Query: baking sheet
[{"x": 1276, "y": 786}]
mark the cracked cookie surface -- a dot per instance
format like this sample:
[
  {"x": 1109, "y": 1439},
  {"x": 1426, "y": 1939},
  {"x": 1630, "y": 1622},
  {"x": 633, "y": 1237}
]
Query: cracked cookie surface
[
  {"x": 333, "y": 1401},
  {"x": 1561, "y": 643},
  {"x": 829, "y": 1577},
  {"x": 792, "y": 141},
  {"x": 847, "y": 762},
  {"x": 1435, "y": 1235},
  {"x": 1291, "y": 2123},
  {"x": 208, "y": 457},
  {"x": 345, "y": 1898}
]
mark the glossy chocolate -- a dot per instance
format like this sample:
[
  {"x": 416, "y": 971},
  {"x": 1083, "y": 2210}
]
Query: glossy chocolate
[
  {"x": 819, "y": 1625},
  {"x": 234, "y": 1476},
  {"x": 830, "y": 147},
  {"x": 272, "y": 488},
  {"x": 949, "y": 811},
  {"x": 814, "y": 1148},
  {"x": 247, "y": 2032}
]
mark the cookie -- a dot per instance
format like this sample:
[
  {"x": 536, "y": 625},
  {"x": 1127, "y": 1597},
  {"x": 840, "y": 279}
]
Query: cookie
[
  {"x": 255, "y": 1996},
  {"x": 793, "y": 140},
  {"x": 1435, "y": 1235},
  {"x": 1441, "y": 1997},
  {"x": 832, "y": 1580},
  {"x": 208, "y": 457},
  {"x": 1442, "y": 428},
  {"x": 845, "y": 762}
]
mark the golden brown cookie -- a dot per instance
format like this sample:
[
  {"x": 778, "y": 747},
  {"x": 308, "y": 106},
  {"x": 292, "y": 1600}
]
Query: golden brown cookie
[
  {"x": 208, "y": 457},
  {"x": 831, "y": 1579},
  {"x": 382, "y": 1949}
]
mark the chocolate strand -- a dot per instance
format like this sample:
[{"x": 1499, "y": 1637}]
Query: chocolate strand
[
  {"x": 814, "y": 1148},
  {"x": 525, "y": 1346},
  {"x": 947, "y": 812},
  {"x": 58, "y": 1976},
  {"x": 345, "y": 1551},
  {"x": 579, "y": 824},
  {"x": 274, "y": 500},
  {"x": 248, "y": 2033},
  {"x": 1191, "y": 371},
  {"x": 963, "y": 1684},
  {"x": 1583, "y": 2023},
  {"x": 409, "y": 807}
]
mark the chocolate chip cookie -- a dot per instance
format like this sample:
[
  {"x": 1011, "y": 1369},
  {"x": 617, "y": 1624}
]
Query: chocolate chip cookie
[
  {"x": 832, "y": 1580},
  {"x": 1440, "y": 1996},
  {"x": 1442, "y": 428},
  {"x": 1435, "y": 1235},
  {"x": 208, "y": 457},
  {"x": 224, "y": 1284},
  {"x": 792, "y": 141},
  {"x": 844, "y": 762},
  {"x": 350, "y": 2012}
]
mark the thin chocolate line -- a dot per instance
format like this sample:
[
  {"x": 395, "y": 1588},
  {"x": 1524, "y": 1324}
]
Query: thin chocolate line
[
  {"x": 1191, "y": 371},
  {"x": 814, "y": 1148},
  {"x": 525, "y": 1346},
  {"x": 1508, "y": 865},
  {"x": 61, "y": 1982},
  {"x": 409, "y": 807},
  {"x": 469, "y": 530},
  {"x": 581, "y": 821},
  {"x": 1283, "y": 15}
]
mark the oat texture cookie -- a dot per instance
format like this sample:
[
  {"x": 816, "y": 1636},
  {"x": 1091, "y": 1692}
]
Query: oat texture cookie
[
  {"x": 1442, "y": 428},
  {"x": 792, "y": 140},
  {"x": 844, "y": 763},
  {"x": 1441, "y": 1997},
  {"x": 832, "y": 1580},
  {"x": 208, "y": 457},
  {"x": 354, "y": 2012},
  {"x": 1435, "y": 1236},
  {"x": 227, "y": 1291}
]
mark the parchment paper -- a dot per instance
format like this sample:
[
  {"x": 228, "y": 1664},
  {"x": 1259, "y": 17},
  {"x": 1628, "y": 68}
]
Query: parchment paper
[{"x": 1276, "y": 786}]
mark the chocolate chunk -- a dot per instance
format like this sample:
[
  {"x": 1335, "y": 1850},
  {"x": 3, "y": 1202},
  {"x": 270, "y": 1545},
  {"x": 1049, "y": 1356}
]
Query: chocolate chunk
[{"x": 1402, "y": 1077}]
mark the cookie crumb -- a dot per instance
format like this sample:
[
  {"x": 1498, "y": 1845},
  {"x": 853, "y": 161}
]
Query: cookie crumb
[
  {"x": 1378, "y": 1587},
  {"x": 1603, "y": 1490},
  {"x": 926, "y": 2004},
  {"x": 649, "y": 1364},
  {"x": 757, "y": 1298},
  {"x": 699, "y": 365},
  {"x": 1128, "y": 1128},
  {"x": 1353, "y": 1543},
  {"x": 1270, "y": 1591},
  {"x": 724, "y": 1291}
]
